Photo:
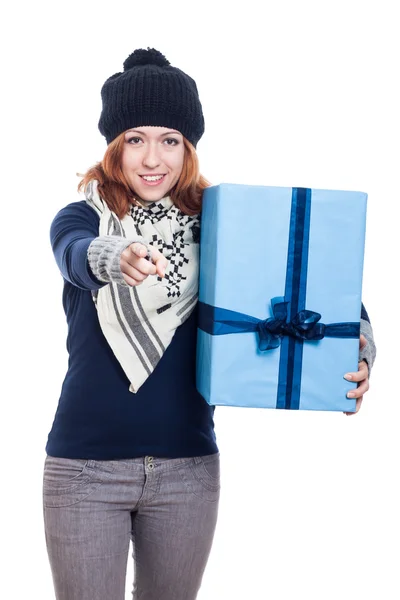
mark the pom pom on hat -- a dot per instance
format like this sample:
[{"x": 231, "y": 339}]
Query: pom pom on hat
[{"x": 151, "y": 56}]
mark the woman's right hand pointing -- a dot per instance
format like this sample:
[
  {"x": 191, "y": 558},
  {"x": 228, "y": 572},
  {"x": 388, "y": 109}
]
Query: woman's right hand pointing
[{"x": 135, "y": 267}]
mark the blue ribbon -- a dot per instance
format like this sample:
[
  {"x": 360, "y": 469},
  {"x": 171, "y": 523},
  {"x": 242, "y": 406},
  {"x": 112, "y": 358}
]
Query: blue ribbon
[
  {"x": 303, "y": 326},
  {"x": 291, "y": 324}
]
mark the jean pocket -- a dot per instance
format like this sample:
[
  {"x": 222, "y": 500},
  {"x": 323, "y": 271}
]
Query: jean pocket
[
  {"x": 64, "y": 471},
  {"x": 67, "y": 480},
  {"x": 201, "y": 476},
  {"x": 211, "y": 466}
]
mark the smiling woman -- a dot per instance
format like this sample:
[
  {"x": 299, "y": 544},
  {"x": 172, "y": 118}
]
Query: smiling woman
[{"x": 132, "y": 454}]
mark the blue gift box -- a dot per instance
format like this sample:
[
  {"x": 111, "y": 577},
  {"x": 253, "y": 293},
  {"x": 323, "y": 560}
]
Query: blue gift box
[{"x": 280, "y": 296}]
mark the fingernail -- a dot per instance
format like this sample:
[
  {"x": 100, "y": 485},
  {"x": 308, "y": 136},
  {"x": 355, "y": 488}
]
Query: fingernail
[
  {"x": 350, "y": 395},
  {"x": 348, "y": 376}
]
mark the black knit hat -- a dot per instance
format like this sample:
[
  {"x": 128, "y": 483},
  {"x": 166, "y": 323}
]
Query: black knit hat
[{"x": 151, "y": 92}]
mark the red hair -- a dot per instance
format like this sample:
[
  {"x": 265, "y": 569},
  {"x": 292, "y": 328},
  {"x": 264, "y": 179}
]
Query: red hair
[{"x": 113, "y": 187}]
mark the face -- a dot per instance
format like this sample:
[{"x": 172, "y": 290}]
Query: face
[{"x": 152, "y": 161}]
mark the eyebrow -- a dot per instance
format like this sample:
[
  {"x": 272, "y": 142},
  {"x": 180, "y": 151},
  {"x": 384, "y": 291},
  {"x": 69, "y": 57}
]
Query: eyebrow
[{"x": 143, "y": 133}]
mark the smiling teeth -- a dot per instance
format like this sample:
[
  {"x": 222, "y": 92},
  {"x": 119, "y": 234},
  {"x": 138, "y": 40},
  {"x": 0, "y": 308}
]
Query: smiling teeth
[{"x": 153, "y": 177}]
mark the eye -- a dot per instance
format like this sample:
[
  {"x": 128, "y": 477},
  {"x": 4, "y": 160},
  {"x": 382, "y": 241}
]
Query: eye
[
  {"x": 174, "y": 141},
  {"x": 133, "y": 140}
]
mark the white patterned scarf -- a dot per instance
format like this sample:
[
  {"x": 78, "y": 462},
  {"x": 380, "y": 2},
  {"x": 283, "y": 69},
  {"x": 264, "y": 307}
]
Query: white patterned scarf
[{"x": 139, "y": 322}]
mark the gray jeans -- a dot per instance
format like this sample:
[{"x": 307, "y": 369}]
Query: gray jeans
[{"x": 168, "y": 507}]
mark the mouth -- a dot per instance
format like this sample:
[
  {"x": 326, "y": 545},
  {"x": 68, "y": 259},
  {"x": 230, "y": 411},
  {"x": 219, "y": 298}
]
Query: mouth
[{"x": 153, "y": 179}]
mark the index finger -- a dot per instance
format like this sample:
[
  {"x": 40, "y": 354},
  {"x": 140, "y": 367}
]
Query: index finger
[{"x": 159, "y": 261}]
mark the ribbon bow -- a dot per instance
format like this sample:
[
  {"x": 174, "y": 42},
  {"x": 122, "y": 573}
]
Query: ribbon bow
[{"x": 304, "y": 325}]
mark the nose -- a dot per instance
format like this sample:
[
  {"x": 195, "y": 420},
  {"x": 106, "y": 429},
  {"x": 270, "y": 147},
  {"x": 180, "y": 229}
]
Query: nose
[{"x": 151, "y": 158}]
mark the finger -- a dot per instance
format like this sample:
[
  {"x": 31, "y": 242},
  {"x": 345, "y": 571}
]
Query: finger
[
  {"x": 138, "y": 249},
  {"x": 133, "y": 251},
  {"x": 357, "y": 408},
  {"x": 363, "y": 341},
  {"x": 134, "y": 273},
  {"x": 130, "y": 281},
  {"x": 359, "y": 390},
  {"x": 145, "y": 266},
  {"x": 161, "y": 266},
  {"x": 159, "y": 261},
  {"x": 359, "y": 375}
]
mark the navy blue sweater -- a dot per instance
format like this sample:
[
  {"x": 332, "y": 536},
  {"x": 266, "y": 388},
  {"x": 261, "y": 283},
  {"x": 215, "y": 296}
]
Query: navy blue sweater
[{"x": 97, "y": 416}]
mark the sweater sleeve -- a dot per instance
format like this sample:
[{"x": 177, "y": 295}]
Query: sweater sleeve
[
  {"x": 104, "y": 255},
  {"x": 368, "y": 353},
  {"x": 71, "y": 232}
]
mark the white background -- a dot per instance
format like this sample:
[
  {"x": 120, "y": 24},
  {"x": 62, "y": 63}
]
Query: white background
[{"x": 295, "y": 94}]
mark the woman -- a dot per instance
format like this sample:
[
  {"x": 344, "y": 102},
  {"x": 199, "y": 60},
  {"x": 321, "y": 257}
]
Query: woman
[{"x": 132, "y": 452}]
